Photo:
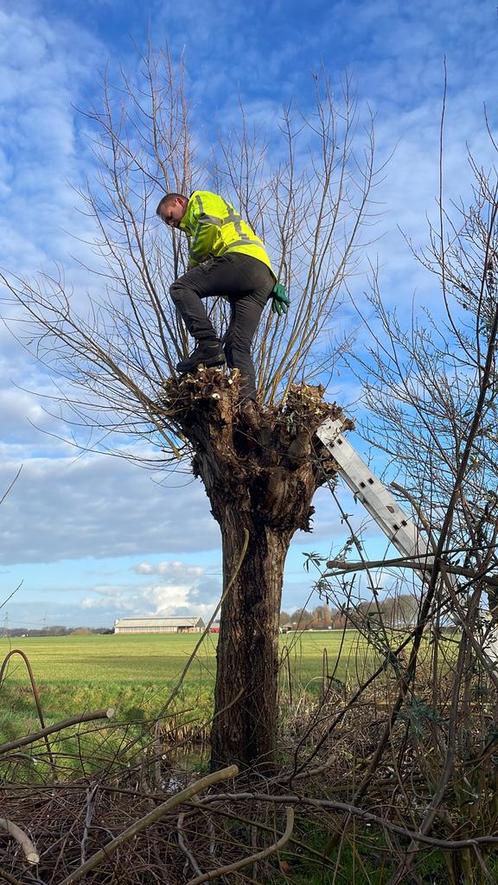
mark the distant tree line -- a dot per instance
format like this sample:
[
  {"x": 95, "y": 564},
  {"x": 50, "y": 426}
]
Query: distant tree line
[
  {"x": 396, "y": 611},
  {"x": 53, "y": 630}
]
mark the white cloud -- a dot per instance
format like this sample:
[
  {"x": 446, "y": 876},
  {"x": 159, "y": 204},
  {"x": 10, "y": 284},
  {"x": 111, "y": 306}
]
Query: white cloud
[
  {"x": 154, "y": 600},
  {"x": 68, "y": 508},
  {"x": 180, "y": 594},
  {"x": 44, "y": 67},
  {"x": 168, "y": 569},
  {"x": 182, "y": 589}
]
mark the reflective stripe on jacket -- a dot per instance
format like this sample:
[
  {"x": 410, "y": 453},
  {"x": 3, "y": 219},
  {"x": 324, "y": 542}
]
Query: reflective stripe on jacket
[{"x": 215, "y": 228}]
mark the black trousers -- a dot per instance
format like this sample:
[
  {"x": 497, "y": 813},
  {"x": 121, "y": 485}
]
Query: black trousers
[{"x": 246, "y": 283}]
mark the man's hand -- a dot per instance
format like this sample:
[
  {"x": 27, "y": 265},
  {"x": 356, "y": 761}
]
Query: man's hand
[{"x": 280, "y": 300}]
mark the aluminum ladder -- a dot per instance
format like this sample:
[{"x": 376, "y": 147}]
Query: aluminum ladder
[{"x": 384, "y": 509}]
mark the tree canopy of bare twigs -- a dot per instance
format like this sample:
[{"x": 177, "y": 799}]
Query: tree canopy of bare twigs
[
  {"x": 116, "y": 347},
  {"x": 431, "y": 391}
]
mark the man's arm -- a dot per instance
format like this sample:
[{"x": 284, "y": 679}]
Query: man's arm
[{"x": 205, "y": 227}]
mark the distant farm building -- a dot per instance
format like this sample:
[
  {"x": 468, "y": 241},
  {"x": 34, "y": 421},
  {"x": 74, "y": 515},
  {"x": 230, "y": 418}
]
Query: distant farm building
[{"x": 158, "y": 625}]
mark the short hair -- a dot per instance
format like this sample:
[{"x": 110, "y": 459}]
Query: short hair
[{"x": 167, "y": 199}]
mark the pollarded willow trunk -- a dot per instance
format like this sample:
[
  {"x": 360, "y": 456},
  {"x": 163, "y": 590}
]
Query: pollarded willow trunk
[
  {"x": 245, "y": 724},
  {"x": 260, "y": 471}
]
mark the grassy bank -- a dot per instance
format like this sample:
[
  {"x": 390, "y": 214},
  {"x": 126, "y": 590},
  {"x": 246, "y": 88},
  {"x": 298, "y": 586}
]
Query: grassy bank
[{"x": 135, "y": 673}]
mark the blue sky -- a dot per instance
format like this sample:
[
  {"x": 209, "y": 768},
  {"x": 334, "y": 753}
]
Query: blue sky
[{"x": 92, "y": 537}]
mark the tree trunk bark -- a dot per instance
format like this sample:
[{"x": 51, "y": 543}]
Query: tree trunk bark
[
  {"x": 246, "y": 695},
  {"x": 260, "y": 468}
]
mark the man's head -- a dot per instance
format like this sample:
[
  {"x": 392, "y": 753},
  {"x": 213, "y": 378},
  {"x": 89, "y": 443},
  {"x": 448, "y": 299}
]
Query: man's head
[{"x": 171, "y": 209}]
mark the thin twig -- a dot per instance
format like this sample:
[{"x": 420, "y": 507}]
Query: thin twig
[
  {"x": 253, "y": 858},
  {"x": 208, "y": 626},
  {"x": 8, "y": 877},
  {"x": 342, "y": 567},
  {"x": 182, "y": 842},
  {"x": 36, "y": 696},
  {"x": 10, "y": 486},
  {"x": 346, "y": 808},
  {"x": 59, "y": 726},
  {"x": 90, "y": 802},
  {"x": 20, "y": 836}
]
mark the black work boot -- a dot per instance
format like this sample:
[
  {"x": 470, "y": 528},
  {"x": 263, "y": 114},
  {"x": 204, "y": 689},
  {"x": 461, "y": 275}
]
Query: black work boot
[{"x": 207, "y": 352}]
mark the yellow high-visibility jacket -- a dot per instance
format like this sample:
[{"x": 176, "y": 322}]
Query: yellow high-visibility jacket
[{"x": 215, "y": 228}]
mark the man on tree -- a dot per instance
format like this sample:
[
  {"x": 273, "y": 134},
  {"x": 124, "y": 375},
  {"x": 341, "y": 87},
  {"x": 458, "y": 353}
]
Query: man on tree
[{"x": 225, "y": 258}]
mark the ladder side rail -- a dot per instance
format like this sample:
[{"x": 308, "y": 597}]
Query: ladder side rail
[
  {"x": 384, "y": 509},
  {"x": 373, "y": 494}
]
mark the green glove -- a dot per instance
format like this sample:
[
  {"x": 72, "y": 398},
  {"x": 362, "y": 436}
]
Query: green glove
[{"x": 280, "y": 299}]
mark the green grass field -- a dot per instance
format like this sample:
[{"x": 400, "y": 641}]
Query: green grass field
[
  {"x": 135, "y": 673},
  {"x": 156, "y": 657}
]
